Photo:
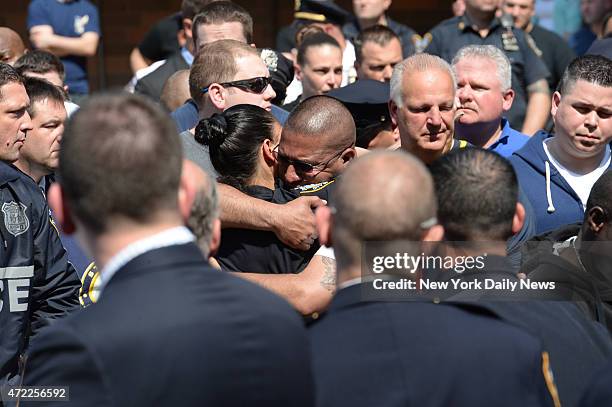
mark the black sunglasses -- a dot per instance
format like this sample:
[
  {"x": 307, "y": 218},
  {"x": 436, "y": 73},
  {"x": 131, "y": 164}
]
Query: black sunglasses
[
  {"x": 254, "y": 85},
  {"x": 302, "y": 167}
]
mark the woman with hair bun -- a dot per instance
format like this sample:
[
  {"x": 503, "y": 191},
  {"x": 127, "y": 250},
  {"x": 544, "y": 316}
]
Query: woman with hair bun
[{"x": 241, "y": 141}]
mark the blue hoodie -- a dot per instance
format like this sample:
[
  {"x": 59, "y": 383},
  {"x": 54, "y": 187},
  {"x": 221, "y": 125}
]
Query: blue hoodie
[{"x": 554, "y": 202}]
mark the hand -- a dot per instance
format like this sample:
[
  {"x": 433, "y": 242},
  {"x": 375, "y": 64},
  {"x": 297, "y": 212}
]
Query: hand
[{"x": 294, "y": 222}]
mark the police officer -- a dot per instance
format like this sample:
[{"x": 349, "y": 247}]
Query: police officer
[
  {"x": 36, "y": 281},
  {"x": 479, "y": 25}
]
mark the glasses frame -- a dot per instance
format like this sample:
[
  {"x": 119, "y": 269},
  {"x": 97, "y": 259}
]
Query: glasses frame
[
  {"x": 305, "y": 168},
  {"x": 244, "y": 84}
]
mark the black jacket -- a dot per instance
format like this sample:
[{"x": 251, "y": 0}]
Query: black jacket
[
  {"x": 36, "y": 281},
  {"x": 153, "y": 84},
  {"x": 169, "y": 330}
]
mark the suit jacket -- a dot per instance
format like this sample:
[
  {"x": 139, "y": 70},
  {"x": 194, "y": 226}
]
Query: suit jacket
[
  {"x": 423, "y": 354},
  {"x": 169, "y": 330},
  {"x": 153, "y": 84}
]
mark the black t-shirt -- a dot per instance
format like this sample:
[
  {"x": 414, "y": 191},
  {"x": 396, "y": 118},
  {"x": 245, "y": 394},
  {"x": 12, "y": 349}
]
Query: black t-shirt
[
  {"x": 257, "y": 251},
  {"x": 556, "y": 53},
  {"x": 161, "y": 40}
]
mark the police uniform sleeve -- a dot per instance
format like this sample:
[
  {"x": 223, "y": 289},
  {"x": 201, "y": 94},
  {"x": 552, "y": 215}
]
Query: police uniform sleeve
[
  {"x": 59, "y": 357},
  {"x": 56, "y": 283},
  {"x": 535, "y": 69}
]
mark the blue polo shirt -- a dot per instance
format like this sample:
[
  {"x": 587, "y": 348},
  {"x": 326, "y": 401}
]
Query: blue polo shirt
[
  {"x": 509, "y": 140},
  {"x": 68, "y": 20}
]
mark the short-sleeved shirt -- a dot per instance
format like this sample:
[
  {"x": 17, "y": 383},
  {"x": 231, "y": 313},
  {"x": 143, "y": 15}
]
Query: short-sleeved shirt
[
  {"x": 527, "y": 68},
  {"x": 68, "y": 20},
  {"x": 556, "y": 53},
  {"x": 161, "y": 40}
]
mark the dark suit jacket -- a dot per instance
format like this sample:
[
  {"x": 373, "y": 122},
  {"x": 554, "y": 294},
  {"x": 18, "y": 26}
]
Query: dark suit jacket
[
  {"x": 422, "y": 354},
  {"x": 169, "y": 330},
  {"x": 153, "y": 84}
]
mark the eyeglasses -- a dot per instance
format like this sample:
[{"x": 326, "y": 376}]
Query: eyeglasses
[
  {"x": 254, "y": 85},
  {"x": 305, "y": 168}
]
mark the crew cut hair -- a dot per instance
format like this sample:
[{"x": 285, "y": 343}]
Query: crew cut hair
[
  {"x": 469, "y": 183},
  {"x": 39, "y": 90},
  {"x": 595, "y": 69},
  {"x": 219, "y": 12},
  {"x": 41, "y": 62},
  {"x": 8, "y": 74},
  {"x": 378, "y": 34},
  {"x": 493, "y": 54}
]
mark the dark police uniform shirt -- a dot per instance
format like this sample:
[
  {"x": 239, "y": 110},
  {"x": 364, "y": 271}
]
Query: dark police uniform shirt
[
  {"x": 555, "y": 53},
  {"x": 451, "y": 35},
  {"x": 257, "y": 251}
]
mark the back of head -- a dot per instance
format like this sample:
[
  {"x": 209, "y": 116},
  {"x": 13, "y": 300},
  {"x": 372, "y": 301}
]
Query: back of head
[
  {"x": 325, "y": 118},
  {"x": 493, "y": 54},
  {"x": 40, "y": 62},
  {"x": 378, "y": 34},
  {"x": 595, "y": 69},
  {"x": 111, "y": 147},
  {"x": 234, "y": 138},
  {"x": 382, "y": 196},
  {"x": 315, "y": 39},
  {"x": 176, "y": 90},
  {"x": 216, "y": 63},
  {"x": 421, "y": 62},
  {"x": 39, "y": 90},
  {"x": 477, "y": 194},
  {"x": 219, "y": 12},
  {"x": 189, "y": 8},
  {"x": 601, "y": 194},
  {"x": 11, "y": 45}
]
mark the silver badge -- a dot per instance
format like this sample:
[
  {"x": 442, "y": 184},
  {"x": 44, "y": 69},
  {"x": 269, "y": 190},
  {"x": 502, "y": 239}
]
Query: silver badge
[{"x": 15, "y": 218}]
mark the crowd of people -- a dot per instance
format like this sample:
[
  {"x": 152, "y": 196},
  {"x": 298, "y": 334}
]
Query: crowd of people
[{"x": 254, "y": 226}]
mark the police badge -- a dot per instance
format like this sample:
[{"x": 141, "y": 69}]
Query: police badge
[{"x": 15, "y": 218}]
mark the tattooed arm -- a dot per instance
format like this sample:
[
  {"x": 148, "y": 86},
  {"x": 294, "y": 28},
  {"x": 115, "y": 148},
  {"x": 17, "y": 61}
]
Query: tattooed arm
[{"x": 308, "y": 292}]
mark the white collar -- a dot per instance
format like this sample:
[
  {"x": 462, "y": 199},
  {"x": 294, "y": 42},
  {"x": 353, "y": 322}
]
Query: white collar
[{"x": 169, "y": 237}]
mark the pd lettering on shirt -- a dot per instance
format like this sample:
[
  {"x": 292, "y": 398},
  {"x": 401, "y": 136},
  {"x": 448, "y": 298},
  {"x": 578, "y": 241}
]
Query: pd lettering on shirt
[{"x": 16, "y": 282}]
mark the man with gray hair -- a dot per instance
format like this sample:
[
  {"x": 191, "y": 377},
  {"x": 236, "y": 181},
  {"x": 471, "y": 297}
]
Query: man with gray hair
[
  {"x": 422, "y": 106},
  {"x": 484, "y": 91}
]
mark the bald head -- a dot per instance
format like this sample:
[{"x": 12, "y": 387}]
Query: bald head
[
  {"x": 204, "y": 204},
  {"x": 176, "y": 90},
  {"x": 323, "y": 118},
  {"x": 382, "y": 196},
  {"x": 11, "y": 46}
]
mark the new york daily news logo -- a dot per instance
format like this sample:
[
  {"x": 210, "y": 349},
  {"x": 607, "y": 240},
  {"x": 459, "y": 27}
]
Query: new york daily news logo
[{"x": 411, "y": 264}]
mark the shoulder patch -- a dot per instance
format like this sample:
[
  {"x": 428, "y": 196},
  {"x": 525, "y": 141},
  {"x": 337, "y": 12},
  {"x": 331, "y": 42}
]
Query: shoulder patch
[
  {"x": 308, "y": 189},
  {"x": 90, "y": 286},
  {"x": 420, "y": 43},
  {"x": 15, "y": 218}
]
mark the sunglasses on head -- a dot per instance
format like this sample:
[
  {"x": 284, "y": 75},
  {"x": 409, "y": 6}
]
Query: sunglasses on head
[{"x": 254, "y": 85}]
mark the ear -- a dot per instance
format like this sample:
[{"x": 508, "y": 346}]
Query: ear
[
  {"x": 186, "y": 192},
  {"x": 215, "y": 238},
  {"x": 348, "y": 155},
  {"x": 187, "y": 26},
  {"x": 556, "y": 101},
  {"x": 519, "y": 218},
  {"x": 298, "y": 71},
  {"x": 323, "y": 219},
  {"x": 266, "y": 150},
  {"x": 61, "y": 212},
  {"x": 433, "y": 234},
  {"x": 393, "y": 112},
  {"x": 508, "y": 99},
  {"x": 217, "y": 96},
  {"x": 596, "y": 219}
]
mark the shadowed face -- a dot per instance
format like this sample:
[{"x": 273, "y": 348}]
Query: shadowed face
[{"x": 15, "y": 121}]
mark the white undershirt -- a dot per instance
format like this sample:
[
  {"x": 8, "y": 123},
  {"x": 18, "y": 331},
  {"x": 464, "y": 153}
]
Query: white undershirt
[{"x": 580, "y": 183}]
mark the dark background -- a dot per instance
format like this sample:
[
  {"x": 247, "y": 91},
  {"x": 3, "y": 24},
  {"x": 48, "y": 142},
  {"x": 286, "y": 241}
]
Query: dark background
[{"x": 124, "y": 23}]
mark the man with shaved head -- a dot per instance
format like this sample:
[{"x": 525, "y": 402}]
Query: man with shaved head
[
  {"x": 176, "y": 90},
  {"x": 11, "y": 46},
  {"x": 402, "y": 344}
]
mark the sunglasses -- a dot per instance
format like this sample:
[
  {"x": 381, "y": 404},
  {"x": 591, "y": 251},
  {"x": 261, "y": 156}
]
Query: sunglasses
[
  {"x": 302, "y": 167},
  {"x": 253, "y": 85}
]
